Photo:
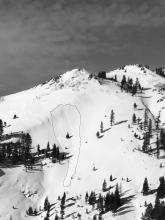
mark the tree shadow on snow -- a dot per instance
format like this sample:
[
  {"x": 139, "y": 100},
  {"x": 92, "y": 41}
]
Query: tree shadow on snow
[
  {"x": 127, "y": 210},
  {"x": 126, "y": 206},
  {"x": 125, "y": 192},
  {"x": 105, "y": 130},
  {"x": 127, "y": 199},
  {"x": 108, "y": 188},
  {"x": 113, "y": 179},
  {"x": 69, "y": 205},
  {"x": 70, "y": 215},
  {"x": 120, "y": 122}
]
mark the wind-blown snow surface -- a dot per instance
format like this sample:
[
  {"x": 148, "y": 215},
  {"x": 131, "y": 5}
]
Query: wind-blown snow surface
[{"x": 114, "y": 153}]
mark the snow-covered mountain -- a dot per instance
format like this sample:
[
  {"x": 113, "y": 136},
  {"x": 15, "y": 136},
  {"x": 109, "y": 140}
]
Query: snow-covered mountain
[{"x": 78, "y": 102}]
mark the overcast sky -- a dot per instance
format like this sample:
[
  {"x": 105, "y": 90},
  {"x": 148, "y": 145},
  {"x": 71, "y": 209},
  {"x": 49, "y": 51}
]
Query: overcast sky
[{"x": 42, "y": 38}]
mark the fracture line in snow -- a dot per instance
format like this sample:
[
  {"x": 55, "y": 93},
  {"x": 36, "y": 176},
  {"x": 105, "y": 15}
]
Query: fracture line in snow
[{"x": 73, "y": 161}]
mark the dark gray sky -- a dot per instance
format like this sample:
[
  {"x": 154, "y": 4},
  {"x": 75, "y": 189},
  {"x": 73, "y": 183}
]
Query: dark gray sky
[{"x": 41, "y": 38}]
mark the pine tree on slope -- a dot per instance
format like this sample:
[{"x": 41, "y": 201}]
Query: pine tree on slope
[
  {"x": 112, "y": 118},
  {"x": 145, "y": 187}
]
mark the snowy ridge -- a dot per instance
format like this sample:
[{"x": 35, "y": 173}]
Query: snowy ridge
[
  {"x": 146, "y": 76},
  {"x": 71, "y": 78}
]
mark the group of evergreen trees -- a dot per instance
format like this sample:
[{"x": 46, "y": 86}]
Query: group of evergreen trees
[
  {"x": 30, "y": 211},
  {"x": 46, "y": 208},
  {"x": 160, "y": 139},
  {"x": 102, "y": 74},
  {"x": 156, "y": 212},
  {"x": 160, "y": 71},
  {"x": 103, "y": 203},
  {"x": 62, "y": 208},
  {"x": 19, "y": 152},
  {"x": 53, "y": 152},
  {"x": 147, "y": 126},
  {"x": 109, "y": 202},
  {"x": 111, "y": 120},
  {"x": 129, "y": 86}
]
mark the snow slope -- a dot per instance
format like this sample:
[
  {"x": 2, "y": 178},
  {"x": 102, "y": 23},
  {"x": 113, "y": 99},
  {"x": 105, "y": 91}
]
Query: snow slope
[{"x": 115, "y": 153}]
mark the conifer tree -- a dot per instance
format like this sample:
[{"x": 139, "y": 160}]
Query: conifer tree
[
  {"x": 92, "y": 198},
  {"x": 30, "y": 211},
  {"x": 147, "y": 138},
  {"x": 62, "y": 212},
  {"x": 146, "y": 119},
  {"x": 46, "y": 204},
  {"x": 1, "y": 127},
  {"x": 141, "y": 126},
  {"x": 135, "y": 105},
  {"x": 86, "y": 197},
  {"x": 145, "y": 187},
  {"x": 35, "y": 211},
  {"x": 149, "y": 211},
  {"x": 107, "y": 202},
  {"x": 63, "y": 199},
  {"x": 28, "y": 140},
  {"x": 111, "y": 178},
  {"x": 145, "y": 204},
  {"x": 57, "y": 153},
  {"x": 104, "y": 186},
  {"x": 134, "y": 89},
  {"x": 162, "y": 138},
  {"x": 157, "y": 206},
  {"x": 158, "y": 121},
  {"x": 100, "y": 204},
  {"x": 27, "y": 147},
  {"x": 161, "y": 188},
  {"x": 54, "y": 151},
  {"x": 115, "y": 78},
  {"x": 101, "y": 127},
  {"x": 112, "y": 117},
  {"x": 123, "y": 82},
  {"x": 97, "y": 134},
  {"x": 48, "y": 146},
  {"x": 145, "y": 144},
  {"x": 134, "y": 118},
  {"x": 117, "y": 200},
  {"x": 157, "y": 147},
  {"x": 38, "y": 148},
  {"x": 150, "y": 128}
]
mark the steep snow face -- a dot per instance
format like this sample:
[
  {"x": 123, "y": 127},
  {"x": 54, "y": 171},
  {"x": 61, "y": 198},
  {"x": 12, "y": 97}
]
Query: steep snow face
[{"x": 115, "y": 152}]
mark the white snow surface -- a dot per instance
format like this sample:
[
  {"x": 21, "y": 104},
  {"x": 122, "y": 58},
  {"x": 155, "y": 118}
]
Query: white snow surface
[{"x": 115, "y": 153}]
